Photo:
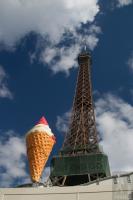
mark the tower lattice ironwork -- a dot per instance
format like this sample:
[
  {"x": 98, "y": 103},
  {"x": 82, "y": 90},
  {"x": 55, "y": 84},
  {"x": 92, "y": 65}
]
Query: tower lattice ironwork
[
  {"x": 82, "y": 134},
  {"x": 80, "y": 159}
]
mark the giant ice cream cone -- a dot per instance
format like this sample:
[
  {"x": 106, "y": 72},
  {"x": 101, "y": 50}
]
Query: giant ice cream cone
[{"x": 39, "y": 142}]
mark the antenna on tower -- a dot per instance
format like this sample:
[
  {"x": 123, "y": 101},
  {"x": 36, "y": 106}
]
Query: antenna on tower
[{"x": 84, "y": 44}]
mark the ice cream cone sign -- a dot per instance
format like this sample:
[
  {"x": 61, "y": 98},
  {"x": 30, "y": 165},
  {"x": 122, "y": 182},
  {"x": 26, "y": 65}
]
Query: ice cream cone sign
[{"x": 39, "y": 143}]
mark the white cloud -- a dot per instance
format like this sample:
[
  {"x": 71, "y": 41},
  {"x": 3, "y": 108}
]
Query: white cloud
[
  {"x": 124, "y": 2},
  {"x": 62, "y": 122},
  {"x": 130, "y": 62},
  {"x": 114, "y": 120},
  {"x": 4, "y": 91},
  {"x": 52, "y": 18},
  {"x": 115, "y": 124},
  {"x": 12, "y": 159},
  {"x": 45, "y": 175},
  {"x": 67, "y": 58},
  {"x": 64, "y": 58}
]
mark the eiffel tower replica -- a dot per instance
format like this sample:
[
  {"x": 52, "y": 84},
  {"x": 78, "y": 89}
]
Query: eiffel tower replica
[{"x": 80, "y": 160}]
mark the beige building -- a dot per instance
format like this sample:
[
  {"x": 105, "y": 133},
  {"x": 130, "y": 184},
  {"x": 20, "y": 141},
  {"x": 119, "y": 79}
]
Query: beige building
[{"x": 112, "y": 188}]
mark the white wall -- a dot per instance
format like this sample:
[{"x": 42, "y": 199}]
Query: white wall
[{"x": 110, "y": 189}]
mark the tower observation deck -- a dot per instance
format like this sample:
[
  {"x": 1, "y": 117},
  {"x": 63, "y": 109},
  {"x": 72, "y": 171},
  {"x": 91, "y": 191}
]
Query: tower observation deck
[{"x": 80, "y": 159}]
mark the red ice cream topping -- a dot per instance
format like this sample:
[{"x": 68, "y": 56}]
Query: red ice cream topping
[{"x": 43, "y": 121}]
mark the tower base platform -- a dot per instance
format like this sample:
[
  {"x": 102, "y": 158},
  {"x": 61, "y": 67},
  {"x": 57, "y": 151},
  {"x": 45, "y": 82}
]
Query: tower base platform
[{"x": 78, "y": 169}]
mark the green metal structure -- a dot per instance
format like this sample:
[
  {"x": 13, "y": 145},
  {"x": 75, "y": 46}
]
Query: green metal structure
[{"x": 75, "y": 170}]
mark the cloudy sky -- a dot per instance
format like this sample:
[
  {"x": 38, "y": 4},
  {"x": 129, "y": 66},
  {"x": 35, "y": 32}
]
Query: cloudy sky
[{"x": 39, "y": 45}]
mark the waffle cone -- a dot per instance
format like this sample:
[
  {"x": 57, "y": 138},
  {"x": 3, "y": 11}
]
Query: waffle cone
[{"x": 39, "y": 145}]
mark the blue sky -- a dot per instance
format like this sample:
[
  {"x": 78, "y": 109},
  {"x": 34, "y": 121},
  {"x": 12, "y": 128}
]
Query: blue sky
[{"x": 39, "y": 45}]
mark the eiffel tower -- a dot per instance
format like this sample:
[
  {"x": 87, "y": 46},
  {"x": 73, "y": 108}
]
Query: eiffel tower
[{"x": 80, "y": 160}]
